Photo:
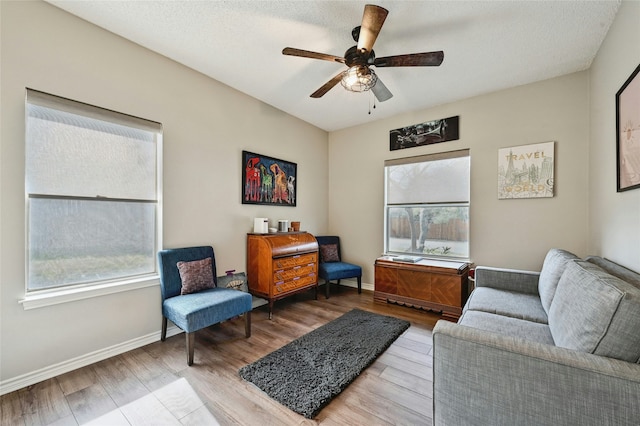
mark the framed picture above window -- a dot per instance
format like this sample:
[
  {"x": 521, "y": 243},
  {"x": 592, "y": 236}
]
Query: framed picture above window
[
  {"x": 268, "y": 180},
  {"x": 430, "y": 132},
  {"x": 628, "y": 133}
]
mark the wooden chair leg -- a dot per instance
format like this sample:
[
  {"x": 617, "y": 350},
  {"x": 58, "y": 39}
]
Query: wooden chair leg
[
  {"x": 247, "y": 324},
  {"x": 163, "y": 333},
  {"x": 359, "y": 285},
  {"x": 326, "y": 283},
  {"x": 190, "y": 346}
]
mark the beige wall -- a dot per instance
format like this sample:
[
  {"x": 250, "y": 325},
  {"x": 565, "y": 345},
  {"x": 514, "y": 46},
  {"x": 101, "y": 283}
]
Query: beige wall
[
  {"x": 614, "y": 220},
  {"x": 508, "y": 233},
  {"x": 577, "y": 111},
  {"x": 208, "y": 124},
  {"x": 206, "y": 127}
]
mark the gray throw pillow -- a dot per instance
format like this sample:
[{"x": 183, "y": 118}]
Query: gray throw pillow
[{"x": 595, "y": 312}]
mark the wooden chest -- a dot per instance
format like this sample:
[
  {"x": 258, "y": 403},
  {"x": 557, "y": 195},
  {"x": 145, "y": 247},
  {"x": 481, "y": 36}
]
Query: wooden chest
[
  {"x": 282, "y": 264},
  {"x": 440, "y": 286}
]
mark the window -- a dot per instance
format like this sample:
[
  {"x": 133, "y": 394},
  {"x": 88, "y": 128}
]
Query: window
[
  {"x": 427, "y": 205},
  {"x": 92, "y": 188}
]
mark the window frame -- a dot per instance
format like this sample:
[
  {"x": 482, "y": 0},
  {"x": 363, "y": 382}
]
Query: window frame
[
  {"x": 39, "y": 297},
  {"x": 442, "y": 204}
]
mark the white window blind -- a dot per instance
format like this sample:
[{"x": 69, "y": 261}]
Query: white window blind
[
  {"x": 427, "y": 205},
  {"x": 93, "y": 189}
]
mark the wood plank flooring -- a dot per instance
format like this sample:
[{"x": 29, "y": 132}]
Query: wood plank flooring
[{"x": 153, "y": 385}]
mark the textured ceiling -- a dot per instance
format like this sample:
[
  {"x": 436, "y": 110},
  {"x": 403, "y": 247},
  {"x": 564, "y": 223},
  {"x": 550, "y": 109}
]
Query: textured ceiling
[{"x": 488, "y": 46}]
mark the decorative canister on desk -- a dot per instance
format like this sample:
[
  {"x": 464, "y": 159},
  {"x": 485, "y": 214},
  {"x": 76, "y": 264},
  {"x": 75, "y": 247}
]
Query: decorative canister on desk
[{"x": 283, "y": 225}]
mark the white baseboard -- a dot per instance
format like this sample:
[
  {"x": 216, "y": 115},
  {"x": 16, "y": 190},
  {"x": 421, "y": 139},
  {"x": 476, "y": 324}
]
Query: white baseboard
[
  {"x": 348, "y": 282},
  {"x": 54, "y": 370}
]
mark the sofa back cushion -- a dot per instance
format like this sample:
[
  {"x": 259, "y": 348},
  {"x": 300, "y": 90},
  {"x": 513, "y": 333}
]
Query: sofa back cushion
[
  {"x": 616, "y": 270},
  {"x": 552, "y": 269},
  {"x": 595, "y": 312}
]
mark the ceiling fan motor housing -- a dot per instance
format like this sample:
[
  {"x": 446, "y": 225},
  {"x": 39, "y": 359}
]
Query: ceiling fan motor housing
[{"x": 353, "y": 57}]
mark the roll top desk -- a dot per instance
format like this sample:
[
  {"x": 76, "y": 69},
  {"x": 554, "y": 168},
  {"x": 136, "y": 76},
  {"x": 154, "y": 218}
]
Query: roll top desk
[{"x": 281, "y": 264}]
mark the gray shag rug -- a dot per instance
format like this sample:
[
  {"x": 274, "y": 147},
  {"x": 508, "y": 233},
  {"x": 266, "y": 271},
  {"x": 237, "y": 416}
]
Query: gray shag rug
[{"x": 307, "y": 373}]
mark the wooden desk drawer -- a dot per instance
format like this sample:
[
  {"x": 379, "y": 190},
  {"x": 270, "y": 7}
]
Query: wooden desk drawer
[
  {"x": 295, "y": 283},
  {"x": 291, "y": 261},
  {"x": 296, "y": 271}
]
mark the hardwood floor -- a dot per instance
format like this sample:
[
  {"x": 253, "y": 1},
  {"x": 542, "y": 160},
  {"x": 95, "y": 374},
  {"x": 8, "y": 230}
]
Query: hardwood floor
[{"x": 153, "y": 385}]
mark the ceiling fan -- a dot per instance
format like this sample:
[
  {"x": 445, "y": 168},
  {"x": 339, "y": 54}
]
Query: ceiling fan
[{"x": 359, "y": 77}]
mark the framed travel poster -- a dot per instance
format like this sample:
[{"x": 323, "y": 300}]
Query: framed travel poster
[{"x": 526, "y": 171}]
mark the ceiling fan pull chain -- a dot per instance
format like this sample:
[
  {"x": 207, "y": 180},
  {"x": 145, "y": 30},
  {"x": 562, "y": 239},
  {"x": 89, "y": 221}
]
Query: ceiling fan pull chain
[{"x": 374, "y": 102}]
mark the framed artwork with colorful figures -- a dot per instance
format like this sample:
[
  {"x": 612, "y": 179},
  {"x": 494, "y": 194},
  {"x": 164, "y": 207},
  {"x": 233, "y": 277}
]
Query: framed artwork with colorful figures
[{"x": 267, "y": 180}]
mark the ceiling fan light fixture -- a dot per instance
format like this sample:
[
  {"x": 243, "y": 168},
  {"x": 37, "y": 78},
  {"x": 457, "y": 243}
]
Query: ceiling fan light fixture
[{"x": 359, "y": 78}]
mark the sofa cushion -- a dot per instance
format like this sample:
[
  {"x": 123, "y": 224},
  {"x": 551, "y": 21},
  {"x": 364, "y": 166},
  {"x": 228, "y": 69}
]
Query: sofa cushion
[
  {"x": 338, "y": 270},
  {"x": 508, "y": 303},
  {"x": 194, "y": 311},
  {"x": 616, "y": 270},
  {"x": 595, "y": 312},
  {"x": 507, "y": 326},
  {"x": 552, "y": 269}
]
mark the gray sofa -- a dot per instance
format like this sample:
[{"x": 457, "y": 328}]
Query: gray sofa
[{"x": 555, "y": 347}]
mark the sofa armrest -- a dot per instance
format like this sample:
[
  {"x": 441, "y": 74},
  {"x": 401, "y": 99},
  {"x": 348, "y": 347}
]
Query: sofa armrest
[
  {"x": 481, "y": 377},
  {"x": 507, "y": 279}
]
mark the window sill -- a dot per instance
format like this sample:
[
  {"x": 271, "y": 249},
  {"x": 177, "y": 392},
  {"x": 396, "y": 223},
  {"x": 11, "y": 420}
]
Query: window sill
[{"x": 55, "y": 297}]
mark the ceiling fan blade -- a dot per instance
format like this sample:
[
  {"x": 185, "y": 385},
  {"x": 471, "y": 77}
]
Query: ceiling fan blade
[
  {"x": 426, "y": 59},
  {"x": 372, "y": 21},
  {"x": 381, "y": 91},
  {"x": 327, "y": 86},
  {"x": 313, "y": 55}
]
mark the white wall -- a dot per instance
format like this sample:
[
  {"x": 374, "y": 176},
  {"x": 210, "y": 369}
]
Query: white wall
[
  {"x": 508, "y": 233},
  {"x": 614, "y": 220},
  {"x": 206, "y": 127}
]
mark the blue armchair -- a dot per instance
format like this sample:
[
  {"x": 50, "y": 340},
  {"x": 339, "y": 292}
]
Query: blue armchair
[
  {"x": 202, "y": 308},
  {"x": 331, "y": 266}
]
